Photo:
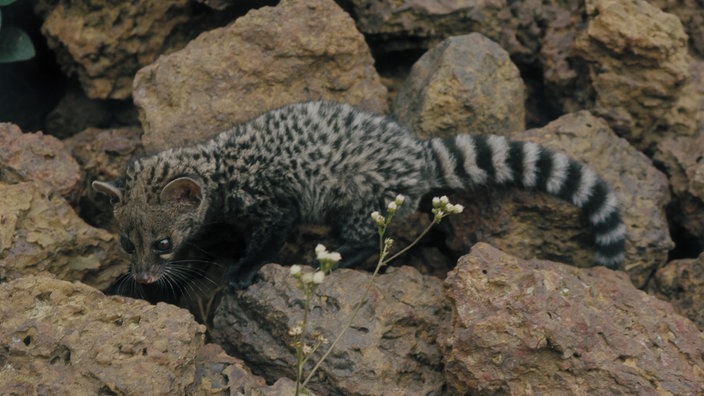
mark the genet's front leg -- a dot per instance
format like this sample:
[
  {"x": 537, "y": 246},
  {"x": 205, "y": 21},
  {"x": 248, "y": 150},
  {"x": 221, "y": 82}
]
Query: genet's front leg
[{"x": 274, "y": 226}]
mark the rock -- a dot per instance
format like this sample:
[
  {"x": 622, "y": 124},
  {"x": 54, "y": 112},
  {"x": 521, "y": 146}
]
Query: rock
[
  {"x": 296, "y": 51},
  {"x": 65, "y": 336},
  {"x": 402, "y": 25},
  {"x": 681, "y": 158},
  {"x": 218, "y": 372},
  {"x": 40, "y": 232},
  {"x": 105, "y": 43},
  {"x": 525, "y": 327},
  {"x": 389, "y": 349},
  {"x": 103, "y": 155},
  {"x": 681, "y": 282},
  {"x": 465, "y": 84},
  {"x": 35, "y": 156},
  {"x": 691, "y": 14},
  {"x": 639, "y": 70}
]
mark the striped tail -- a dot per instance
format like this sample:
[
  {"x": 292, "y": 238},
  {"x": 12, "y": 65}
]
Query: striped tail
[{"x": 463, "y": 161}]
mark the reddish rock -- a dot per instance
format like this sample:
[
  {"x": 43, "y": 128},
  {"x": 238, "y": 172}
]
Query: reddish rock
[
  {"x": 529, "y": 327},
  {"x": 37, "y": 157},
  {"x": 296, "y": 51}
]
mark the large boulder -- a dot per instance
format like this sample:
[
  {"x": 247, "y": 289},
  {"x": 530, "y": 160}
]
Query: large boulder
[
  {"x": 525, "y": 327},
  {"x": 299, "y": 50},
  {"x": 64, "y": 338}
]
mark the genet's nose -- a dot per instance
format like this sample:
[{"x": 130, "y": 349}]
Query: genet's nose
[{"x": 144, "y": 278}]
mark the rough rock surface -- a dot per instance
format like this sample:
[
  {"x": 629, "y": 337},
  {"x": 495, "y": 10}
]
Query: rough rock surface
[
  {"x": 68, "y": 336},
  {"x": 681, "y": 158},
  {"x": 61, "y": 337},
  {"x": 536, "y": 327},
  {"x": 683, "y": 161},
  {"x": 639, "y": 70},
  {"x": 390, "y": 348},
  {"x": 103, "y": 155},
  {"x": 394, "y": 25},
  {"x": 465, "y": 84},
  {"x": 625, "y": 60},
  {"x": 35, "y": 156},
  {"x": 691, "y": 14},
  {"x": 681, "y": 282},
  {"x": 104, "y": 43},
  {"x": 40, "y": 232},
  {"x": 298, "y": 50}
]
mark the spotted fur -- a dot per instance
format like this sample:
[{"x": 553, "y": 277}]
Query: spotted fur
[{"x": 320, "y": 162}]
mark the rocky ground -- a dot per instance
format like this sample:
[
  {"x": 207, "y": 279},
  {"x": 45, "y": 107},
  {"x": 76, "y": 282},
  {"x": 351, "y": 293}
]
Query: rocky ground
[{"x": 617, "y": 84}]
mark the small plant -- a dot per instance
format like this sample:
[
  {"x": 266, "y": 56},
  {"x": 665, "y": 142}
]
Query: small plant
[
  {"x": 308, "y": 282},
  {"x": 15, "y": 44}
]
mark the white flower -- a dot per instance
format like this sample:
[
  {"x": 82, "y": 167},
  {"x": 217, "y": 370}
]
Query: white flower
[
  {"x": 295, "y": 269},
  {"x": 400, "y": 199},
  {"x": 318, "y": 277},
  {"x": 320, "y": 248},
  {"x": 456, "y": 208},
  {"x": 392, "y": 207},
  {"x": 307, "y": 277},
  {"x": 295, "y": 330},
  {"x": 436, "y": 202},
  {"x": 334, "y": 256},
  {"x": 378, "y": 218},
  {"x": 307, "y": 349}
]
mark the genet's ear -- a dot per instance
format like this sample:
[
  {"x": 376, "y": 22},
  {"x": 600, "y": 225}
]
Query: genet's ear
[
  {"x": 183, "y": 190},
  {"x": 108, "y": 189}
]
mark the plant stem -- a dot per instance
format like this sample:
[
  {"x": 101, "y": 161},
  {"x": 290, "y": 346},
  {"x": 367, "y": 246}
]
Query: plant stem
[
  {"x": 415, "y": 241},
  {"x": 357, "y": 308}
]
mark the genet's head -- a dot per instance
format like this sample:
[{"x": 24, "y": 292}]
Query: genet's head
[{"x": 155, "y": 222}]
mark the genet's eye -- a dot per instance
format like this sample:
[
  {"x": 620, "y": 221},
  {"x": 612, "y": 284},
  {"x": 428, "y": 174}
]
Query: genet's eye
[
  {"x": 126, "y": 244},
  {"x": 162, "y": 246}
]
